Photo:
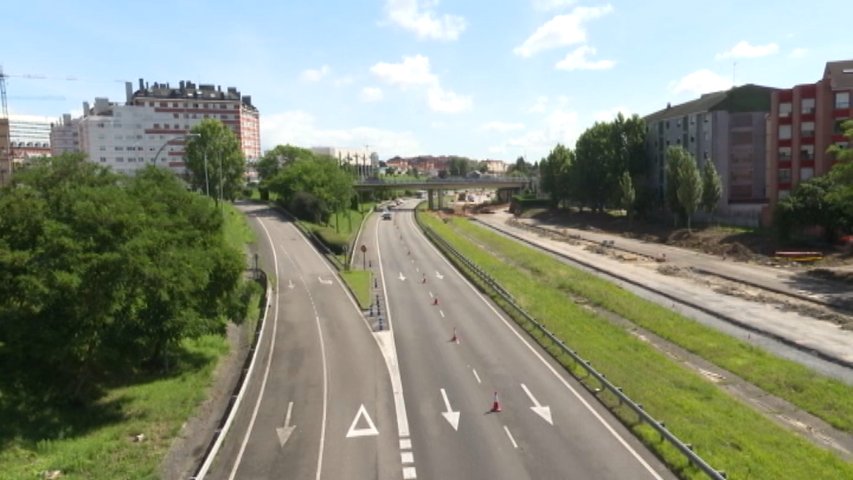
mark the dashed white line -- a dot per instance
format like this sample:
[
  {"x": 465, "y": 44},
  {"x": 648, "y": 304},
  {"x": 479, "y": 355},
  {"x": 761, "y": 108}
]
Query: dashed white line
[
  {"x": 407, "y": 457},
  {"x": 442, "y": 313},
  {"x": 409, "y": 473},
  {"x": 431, "y": 295},
  {"x": 405, "y": 444},
  {"x": 476, "y": 376},
  {"x": 506, "y": 429}
]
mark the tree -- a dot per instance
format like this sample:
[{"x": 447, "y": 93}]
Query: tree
[
  {"x": 555, "y": 174},
  {"x": 273, "y": 160},
  {"x": 321, "y": 177},
  {"x": 678, "y": 164},
  {"x": 689, "y": 188},
  {"x": 215, "y": 160},
  {"x": 594, "y": 155},
  {"x": 712, "y": 188},
  {"x": 627, "y": 195}
]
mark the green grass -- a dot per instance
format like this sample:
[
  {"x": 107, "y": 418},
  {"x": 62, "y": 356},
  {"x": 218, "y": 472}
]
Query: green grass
[
  {"x": 359, "y": 282},
  {"x": 727, "y": 433},
  {"x": 95, "y": 442},
  {"x": 237, "y": 230}
]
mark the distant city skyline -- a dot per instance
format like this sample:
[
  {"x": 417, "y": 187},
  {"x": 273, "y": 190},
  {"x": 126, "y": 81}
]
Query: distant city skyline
[{"x": 410, "y": 77}]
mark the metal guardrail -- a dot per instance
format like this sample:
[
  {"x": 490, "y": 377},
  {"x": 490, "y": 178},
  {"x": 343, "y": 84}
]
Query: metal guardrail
[{"x": 685, "y": 448}]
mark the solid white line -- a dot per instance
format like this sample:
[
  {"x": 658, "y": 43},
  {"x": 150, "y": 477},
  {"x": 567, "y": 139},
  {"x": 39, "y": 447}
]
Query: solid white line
[
  {"x": 562, "y": 380},
  {"x": 475, "y": 375},
  {"x": 506, "y": 429},
  {"x": 269, "y": 361}
]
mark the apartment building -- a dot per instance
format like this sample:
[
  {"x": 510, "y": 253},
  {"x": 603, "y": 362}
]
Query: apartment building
[
  {"x": 804, "y": 121},
  {"x": 727, "y": 128},
  {"x": 364, "y": 161},
  {"x": 150, "y": 127}
]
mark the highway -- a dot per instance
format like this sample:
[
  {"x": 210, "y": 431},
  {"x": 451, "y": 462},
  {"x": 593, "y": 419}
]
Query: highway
[
  {"x": 547, "y": 427},
  {"x": 319, "y": 402}
]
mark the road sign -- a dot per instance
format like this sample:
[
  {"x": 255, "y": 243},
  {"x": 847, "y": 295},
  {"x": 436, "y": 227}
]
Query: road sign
[{"x": 363, "y": 248}]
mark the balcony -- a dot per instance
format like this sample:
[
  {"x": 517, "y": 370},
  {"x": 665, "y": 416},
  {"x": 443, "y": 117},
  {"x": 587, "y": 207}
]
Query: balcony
[{"x": 807, "y": 133}]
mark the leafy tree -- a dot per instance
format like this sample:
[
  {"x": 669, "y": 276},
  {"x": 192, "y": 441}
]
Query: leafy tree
[
  {"x": 273, "y": 160},
  {"x": 520, "y": 167},
  {"x": 678, "y": 164},
  {"x": 101, "y": 272},
  {"x": 594, "y": 154},
  {"x": 320, "y": 177},
  {"x": 555, "y": 174},
  {"x": 215, "y": 159},
  {"x": 689, "y": 188},
  {"x": 627, "y": 195},
  {"x": 712, "y": 187}
]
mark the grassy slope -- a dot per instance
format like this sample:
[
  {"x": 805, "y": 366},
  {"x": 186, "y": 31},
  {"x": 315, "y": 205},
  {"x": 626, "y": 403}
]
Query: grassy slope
[{"x": 725, "y": 432}]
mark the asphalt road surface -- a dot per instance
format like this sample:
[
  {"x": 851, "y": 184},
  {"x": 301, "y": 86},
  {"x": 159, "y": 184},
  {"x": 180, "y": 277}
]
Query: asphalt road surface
[
  {"x": 319, "y": 403},
  {"x": 548, "y": 427}
]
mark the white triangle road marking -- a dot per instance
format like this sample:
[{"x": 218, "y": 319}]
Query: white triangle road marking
[{"x": 370, "y": 430}]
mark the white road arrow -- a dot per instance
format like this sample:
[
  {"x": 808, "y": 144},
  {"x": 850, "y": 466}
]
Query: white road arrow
[
  {"x": 368, "y": 431},
  {"x": 451, "y": 416},
  {"x": 290, "y": 284},
  {"x": 439, "y": 276},
  {"x": 401, "y": 277},
  {"x": 324, "y": 282},
  {"x": 285, "y": 431},
  {"x": 542, "y": 411}
]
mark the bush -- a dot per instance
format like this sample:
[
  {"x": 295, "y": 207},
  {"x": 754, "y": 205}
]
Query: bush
[{"x": 336, "y": 242}]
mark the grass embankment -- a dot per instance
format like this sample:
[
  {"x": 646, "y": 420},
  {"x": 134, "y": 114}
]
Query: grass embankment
[
  {"x": 96, "y": 441},
  {"x": 730, "y": 435},
  {"x": 359, "y": 282}
]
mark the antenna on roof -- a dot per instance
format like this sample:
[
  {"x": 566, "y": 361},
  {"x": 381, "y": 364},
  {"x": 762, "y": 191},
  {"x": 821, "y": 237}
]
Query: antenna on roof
[{"x": 734, "y": 67}]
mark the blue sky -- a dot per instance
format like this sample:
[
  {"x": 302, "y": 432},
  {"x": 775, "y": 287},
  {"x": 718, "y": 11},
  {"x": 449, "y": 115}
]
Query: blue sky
[{"x": 485, "y": 79}]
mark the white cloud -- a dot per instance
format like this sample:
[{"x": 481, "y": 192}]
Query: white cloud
[
  {"x": 610, "y": 114},
  {"x": 300, "y": 128},
  {"x": 699, "y": 82},
  {"x": 560, "y": 125},
  {"x": 414, "y": 72},
  {"x": 798, "y": 53},
  {"x": 577, "y": 60},
  {"x": 744, "y": 49},
  {"x": 343, "y": 80},
  {"x": 419, "y": 17},
  {"x": 561, "y": 30},
  {"x": 546, "y": 5},
  {"x": 315, "y": 74},
  {"x": 501, "y": 127},
  {"x": 370, "y": 94},
  {"x": 445, "y": 101}
]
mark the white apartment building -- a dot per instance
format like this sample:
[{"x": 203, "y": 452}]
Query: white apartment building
[{"x": 151, "y": 127}]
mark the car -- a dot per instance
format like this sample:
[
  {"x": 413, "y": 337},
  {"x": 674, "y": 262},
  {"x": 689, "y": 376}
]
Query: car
[{"x": 386, "y": 215}]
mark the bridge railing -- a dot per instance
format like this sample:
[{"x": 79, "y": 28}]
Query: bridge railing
[{"x": 491, "y": 286}]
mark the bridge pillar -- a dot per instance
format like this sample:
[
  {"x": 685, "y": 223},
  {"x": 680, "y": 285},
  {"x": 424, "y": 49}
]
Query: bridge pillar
[
  {"x": 440, "y": 199},
  {"x": 431, "y": 199}
]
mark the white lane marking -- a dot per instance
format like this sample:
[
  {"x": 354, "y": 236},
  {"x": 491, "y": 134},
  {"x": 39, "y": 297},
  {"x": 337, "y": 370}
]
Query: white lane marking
[
  {"x": 409, "y": 473},
  {"x": 418, "y": 269},
  {"x": 285, "y": 431},
  {"x": 405, "y": 444},
  {"x": 368, "y": 431},
  {"x": 402, "y": 277},
  {"x": 269, "y": 364},
  {"x": 407, "y": 457},
  {"x": 562, "y": 380},
  {"x": 442, "y": 313},
  {"x": 438, "y": 275},
  {"x": 324, "y": 281},
  {"x": 475, "y": 375},
  {"x": 448, "y": 413},
  {"x": 542, "y": 411},
  {"x": 506, "y": 429},
  {"x": 431, "y": 295},
  {"x": 290, "y": 283}
]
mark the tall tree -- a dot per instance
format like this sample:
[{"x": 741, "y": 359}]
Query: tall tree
[
  {"x": 320, "y": 178},
  {"x": 675, "y": 157},
  {"x": 627, "y": 195},
  {"x": 554, "y": 173},
  {"x": 712, "y": 187},
  {"x": 594, "y": 155},
  {"x": 689, "y": 189},
  {"x": 280, "y": 156},
  {"x": 215, "y": 160}
]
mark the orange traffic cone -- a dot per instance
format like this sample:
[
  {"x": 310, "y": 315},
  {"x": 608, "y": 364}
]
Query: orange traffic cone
[
  {"x": 435, "y": 301},
  {"x": 424, "y": 279},
  {"x": 496, "y": 406},
  {"x": 455, "y": 338}
]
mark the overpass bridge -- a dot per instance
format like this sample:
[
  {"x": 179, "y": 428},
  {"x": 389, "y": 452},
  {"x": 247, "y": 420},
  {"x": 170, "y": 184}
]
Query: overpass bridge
[{"x": 436, "y": 186}]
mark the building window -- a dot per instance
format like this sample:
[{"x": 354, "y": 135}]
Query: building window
[
  {"x": 807, "y": 129},
  {"x": 842, "y": 100},
  {"x": 175, "y": 104},
  {"x": 807, "y": 106},
  {"x": 784, "y": 132},
  {"x": 785, "y": 109},
  {"x": 784, "y": 154},
  {"x": 103, "y": 148},
  {"x": 156, "y": 125},
  {"x": 164, "y": 104},
  {"x": 103, "y": 159},
  {"x": 784, "y": 175},
  {"x": 119, "y": 148},
  {"x": 807, "y": 152},
  {"x": 806, "y": 173},
  {"x": 120, "y": 159},
  {"x": 175, "y": 115}
]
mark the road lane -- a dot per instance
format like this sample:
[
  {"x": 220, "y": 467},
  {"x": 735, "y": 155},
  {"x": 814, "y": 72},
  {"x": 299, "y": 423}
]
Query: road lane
[
  {"x": 324, "y": 360},
  {"x": 583, "y": 442}
]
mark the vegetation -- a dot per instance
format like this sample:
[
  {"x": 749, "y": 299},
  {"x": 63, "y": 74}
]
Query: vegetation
[
  {"x": 825, "y": 201},
  {"x": 747, "y": 445},
  {"x": 313, "y": 189},
  {"x": 115, "y": 294},
  {"x": 215, "y": 161},
  {"x": 359, "y": 282}
]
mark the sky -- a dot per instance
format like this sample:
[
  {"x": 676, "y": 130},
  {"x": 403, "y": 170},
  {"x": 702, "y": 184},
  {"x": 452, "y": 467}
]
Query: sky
[{"x": 480, "y": 78}]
